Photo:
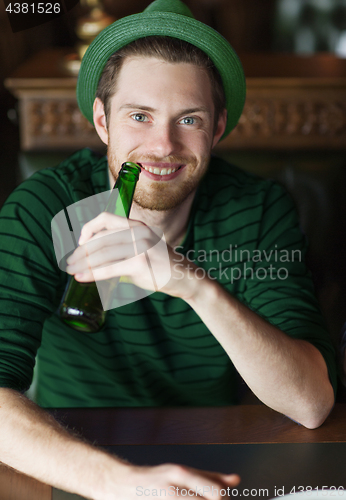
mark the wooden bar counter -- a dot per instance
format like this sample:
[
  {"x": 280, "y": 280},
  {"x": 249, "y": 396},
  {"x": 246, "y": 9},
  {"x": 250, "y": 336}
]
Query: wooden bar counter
[{"x": 239, "y": 426}]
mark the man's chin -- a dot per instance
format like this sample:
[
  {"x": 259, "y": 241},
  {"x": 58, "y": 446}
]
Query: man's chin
[
  {"x": 158, "y": 205},
  {"x": 163, "y": 201}
]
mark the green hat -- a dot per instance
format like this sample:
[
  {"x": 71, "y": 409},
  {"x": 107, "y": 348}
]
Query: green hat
[{"x": 163, "y": 18}]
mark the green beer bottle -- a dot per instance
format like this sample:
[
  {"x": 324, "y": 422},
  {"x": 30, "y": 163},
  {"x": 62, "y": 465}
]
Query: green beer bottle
[{"x": 81, "y": 306}]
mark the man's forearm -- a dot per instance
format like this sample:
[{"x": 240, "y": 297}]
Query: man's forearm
[
  {"x": 32, "y": 442},
  {"x": 289, "y": 375},
  {"x": 35, "y": 444}
]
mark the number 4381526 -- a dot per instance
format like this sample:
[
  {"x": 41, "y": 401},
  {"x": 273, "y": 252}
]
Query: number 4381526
[
  {"x": 33, "y": 8},
  {"x": 323, "y": 491}
]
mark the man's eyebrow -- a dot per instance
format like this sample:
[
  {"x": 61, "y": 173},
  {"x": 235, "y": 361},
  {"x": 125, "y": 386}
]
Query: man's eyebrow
[
  {"x": 136, "y": 106},
  {"x": 195, "y": 110},
  {"x": 188, "y": 111}
]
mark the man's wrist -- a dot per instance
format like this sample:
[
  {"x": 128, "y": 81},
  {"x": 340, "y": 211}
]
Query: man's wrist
[
  {"x": 200, "y": 289},
  {"x": 109, "y": 472}
]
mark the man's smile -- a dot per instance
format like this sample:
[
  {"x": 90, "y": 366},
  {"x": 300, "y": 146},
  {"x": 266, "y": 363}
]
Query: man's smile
[{"x": 161, "y": 171}]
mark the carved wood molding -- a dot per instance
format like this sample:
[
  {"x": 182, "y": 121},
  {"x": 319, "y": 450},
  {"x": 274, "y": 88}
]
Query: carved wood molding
[
  {"x": 303, "y": 123},
  {"x": 292, "y": 103},
  {"x": 304, "y": 117},
  {"x": 55, "y": 122},
  {"x": 269, "y": 121},
  {"x": 51, "y": 117},
  {"x": 291, "y": 113}
]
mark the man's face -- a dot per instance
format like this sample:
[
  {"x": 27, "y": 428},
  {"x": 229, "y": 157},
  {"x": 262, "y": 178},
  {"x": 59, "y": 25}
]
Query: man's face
[{"x": 162, "y": 116}]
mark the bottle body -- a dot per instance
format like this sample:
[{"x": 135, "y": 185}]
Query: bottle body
[{"x": 81, "y": 307}]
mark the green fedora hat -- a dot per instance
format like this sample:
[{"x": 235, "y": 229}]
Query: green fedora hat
[{"x": 170, "y": 18}]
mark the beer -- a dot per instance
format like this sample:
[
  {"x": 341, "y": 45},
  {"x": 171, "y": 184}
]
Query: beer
[{"x": 81, "y": 307}]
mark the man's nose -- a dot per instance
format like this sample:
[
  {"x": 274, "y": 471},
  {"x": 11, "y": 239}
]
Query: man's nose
[{"x": 164, "y": 140}]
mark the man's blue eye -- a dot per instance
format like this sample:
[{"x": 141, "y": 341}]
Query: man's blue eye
[
  {"x": 139, "y": 117},
  {"x": 188, "y": 120}
]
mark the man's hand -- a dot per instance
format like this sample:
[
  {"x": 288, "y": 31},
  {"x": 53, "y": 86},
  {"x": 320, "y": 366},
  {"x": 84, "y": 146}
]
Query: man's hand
[
  {"x": 112, "y": 246},
  {"x": 171, "y": 478}
]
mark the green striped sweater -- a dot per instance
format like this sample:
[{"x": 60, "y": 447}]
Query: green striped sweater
[{"x": 243, "y": 231}]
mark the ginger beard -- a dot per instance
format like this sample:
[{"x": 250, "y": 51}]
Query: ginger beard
[{"x": 162, "y": 195}]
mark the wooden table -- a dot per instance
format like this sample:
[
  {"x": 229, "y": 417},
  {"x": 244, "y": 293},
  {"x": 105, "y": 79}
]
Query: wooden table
[
  {"x": 248, "y": 424},
  {"x": 293, "y": 102}
]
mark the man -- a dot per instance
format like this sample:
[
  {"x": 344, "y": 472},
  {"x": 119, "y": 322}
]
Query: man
[{"x": 158, "y": 102}]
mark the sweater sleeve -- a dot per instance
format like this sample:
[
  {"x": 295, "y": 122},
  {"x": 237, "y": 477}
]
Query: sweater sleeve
[
  {"x": 30, "y": 280},
  {"x": 281, "y": 288}
]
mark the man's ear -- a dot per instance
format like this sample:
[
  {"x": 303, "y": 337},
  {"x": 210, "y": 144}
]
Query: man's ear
[
  {"x": 100, "y": 120},
  {"x": 221, "y": 125}
]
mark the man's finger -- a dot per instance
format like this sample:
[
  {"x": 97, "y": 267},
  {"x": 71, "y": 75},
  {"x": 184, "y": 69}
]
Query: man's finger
[{"x": 104, "y": 221}]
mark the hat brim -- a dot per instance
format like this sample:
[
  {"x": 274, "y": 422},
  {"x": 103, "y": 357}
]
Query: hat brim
[{"x": 128, "y": 29}]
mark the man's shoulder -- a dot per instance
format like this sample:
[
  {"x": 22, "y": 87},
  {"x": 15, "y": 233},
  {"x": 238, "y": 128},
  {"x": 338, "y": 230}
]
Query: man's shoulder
[
  {"x": 224, "y": 177},
  {"x": 82, "y": 174},
  {"x": 81, "y": 161},
  {"x": 227, "y": 189},
  {"x": 80, "y": 167},
  {"x": 52, "y": 189}
]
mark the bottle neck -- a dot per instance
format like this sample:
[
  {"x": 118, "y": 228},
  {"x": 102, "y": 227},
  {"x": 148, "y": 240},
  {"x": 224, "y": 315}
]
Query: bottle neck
[{"x": 121, "y": 197}]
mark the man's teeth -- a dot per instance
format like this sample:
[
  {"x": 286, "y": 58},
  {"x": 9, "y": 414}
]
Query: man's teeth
[{"x": 161, "y": 171}]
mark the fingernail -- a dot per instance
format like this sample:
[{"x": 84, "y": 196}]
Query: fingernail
[{"x": 232, "y": 477}]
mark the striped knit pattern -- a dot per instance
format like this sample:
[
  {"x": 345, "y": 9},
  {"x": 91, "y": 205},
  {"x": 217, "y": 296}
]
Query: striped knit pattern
[{"x": 156, "y": 351}]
